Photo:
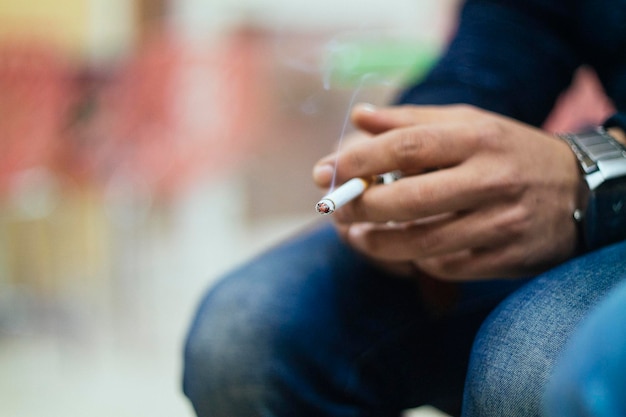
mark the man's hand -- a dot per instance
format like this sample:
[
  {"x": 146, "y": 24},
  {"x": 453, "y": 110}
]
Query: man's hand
[{"x": 482, "y": 195}]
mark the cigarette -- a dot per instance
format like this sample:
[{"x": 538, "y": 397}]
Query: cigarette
[
  {"x": 341, "y": 195},
  {"x": 349, "y": 191}
]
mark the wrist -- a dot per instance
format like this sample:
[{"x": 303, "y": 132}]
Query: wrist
[
  {"x": 616, "y": 126},
  {"x": 618, "y": 134}
]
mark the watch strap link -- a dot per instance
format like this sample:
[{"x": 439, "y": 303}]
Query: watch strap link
[
  {"x": 600, "y": 156},
  {"x": 602, "y": 161}
]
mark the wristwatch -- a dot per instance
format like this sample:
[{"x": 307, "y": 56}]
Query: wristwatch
[{"x": 602, "y": 160}]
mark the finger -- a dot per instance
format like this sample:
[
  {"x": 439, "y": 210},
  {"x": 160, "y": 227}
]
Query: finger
[
  {"x": 446, "y": 235},
  {"x": 406, "y": 268},
  {"x": 381, "y": 119},
  {"x": 482, "y": 263},
  {"x": 411, "y": 150},
  {"x": 417, "y": 197},
  {"x": 323, "y": 175},
  {"x": 324, "y": 170}
]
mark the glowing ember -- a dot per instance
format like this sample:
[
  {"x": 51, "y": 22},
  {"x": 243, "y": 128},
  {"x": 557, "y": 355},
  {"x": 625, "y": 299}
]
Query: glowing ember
[{"x": 323, "y": 208}]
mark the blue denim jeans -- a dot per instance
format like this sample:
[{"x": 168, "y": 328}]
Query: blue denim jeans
[
  {"x": 589, "y": 379},
  {"x": 310, "y": 328}
]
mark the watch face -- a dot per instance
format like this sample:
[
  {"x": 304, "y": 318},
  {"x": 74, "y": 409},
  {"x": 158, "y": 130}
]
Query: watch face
[{"x": 607, "y": 218}]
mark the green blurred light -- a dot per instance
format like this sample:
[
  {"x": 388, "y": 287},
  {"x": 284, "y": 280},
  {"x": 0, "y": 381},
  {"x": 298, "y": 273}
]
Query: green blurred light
[{"x": 353, "y": 63}]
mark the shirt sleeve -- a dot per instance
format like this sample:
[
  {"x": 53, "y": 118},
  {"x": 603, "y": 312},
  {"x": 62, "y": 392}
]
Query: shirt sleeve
[
  {"x": 616, "y": 120},
  {"x": 510, "y": 57}
]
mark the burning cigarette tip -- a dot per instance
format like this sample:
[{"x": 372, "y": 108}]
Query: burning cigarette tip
[
  {"x": 342, "y": 195},
  {"x": 325, "y": 207}
]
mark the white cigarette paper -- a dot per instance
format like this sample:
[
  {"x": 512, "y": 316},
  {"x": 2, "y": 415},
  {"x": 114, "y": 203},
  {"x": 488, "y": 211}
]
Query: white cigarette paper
[{"x": 341, "y": 195}]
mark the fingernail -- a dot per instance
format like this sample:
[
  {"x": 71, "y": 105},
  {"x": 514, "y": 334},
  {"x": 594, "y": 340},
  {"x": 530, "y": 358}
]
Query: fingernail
[
  {"x": 366, "y": 107},
  {"x": 357, "y": 230},
  {"x": 323, "y": 173}
]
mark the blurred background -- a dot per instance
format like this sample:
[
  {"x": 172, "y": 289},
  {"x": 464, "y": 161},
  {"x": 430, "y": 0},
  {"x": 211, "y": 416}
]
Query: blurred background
[{"x": 147, "y": 146}]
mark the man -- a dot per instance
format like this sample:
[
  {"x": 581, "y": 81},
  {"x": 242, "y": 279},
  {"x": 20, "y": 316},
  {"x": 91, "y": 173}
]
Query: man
[{"x": 459, "y": 284}]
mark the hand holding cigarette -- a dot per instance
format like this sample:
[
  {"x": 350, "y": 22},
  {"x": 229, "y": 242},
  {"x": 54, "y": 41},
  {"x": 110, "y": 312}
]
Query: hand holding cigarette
[{"x": 482, "y": 195}]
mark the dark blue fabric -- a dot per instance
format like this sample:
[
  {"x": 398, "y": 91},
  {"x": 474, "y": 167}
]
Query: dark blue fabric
[
  {"x": 617, "y": 120},
  {"x": 516, "y": 57}
]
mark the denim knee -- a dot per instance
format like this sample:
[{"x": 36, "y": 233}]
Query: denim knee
[
  {"x": 226, "y": 351},
  {"x": 517, "y": 346},
  {"x": 259, "y": 334},
  {"x": 510, "y": 362},
  {"x": 589, "y": 378}
]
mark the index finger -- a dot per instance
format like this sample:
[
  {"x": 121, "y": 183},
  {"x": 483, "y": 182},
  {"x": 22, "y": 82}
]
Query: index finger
[
  {"x": 410, "y": 150},
  {"x": 417, "y": 197},
  {"x": 381, "y": 119}
]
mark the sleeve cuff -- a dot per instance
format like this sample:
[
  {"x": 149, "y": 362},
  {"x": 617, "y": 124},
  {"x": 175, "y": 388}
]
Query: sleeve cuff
[{"x": 617, "y": 120}]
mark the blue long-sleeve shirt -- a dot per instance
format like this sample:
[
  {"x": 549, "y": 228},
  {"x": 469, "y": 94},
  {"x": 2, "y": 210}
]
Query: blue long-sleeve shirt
[{"x": 515, "y": 57}]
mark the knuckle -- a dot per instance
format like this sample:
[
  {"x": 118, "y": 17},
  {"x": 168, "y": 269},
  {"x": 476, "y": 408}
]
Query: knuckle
[
  {"x": 407, "y": 148},
  {"x": 515, "y": 222},
  {"x": 414, "y": 198},
  {"x": 503, "y": 184},
  {"x": 488, "y": 133},
  {"x": 499, "y": 179},
  {"x": 355, "y": 161},
  {"x": 428, "y": 244},
  {"x": 464, "y": 110}
]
